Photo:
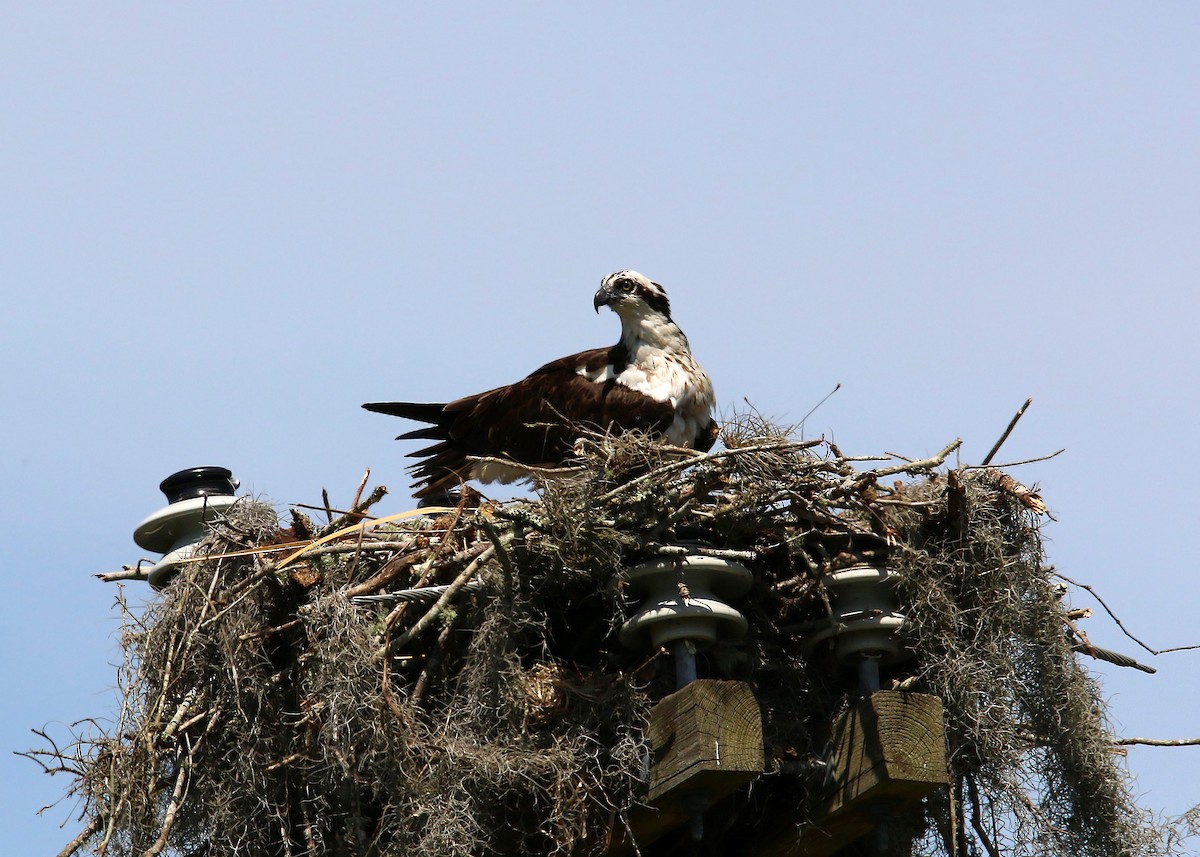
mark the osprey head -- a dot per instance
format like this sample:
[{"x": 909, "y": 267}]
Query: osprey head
[{"x": 631, "y": 293}]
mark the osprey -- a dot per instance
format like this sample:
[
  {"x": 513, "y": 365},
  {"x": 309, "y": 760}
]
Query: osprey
[{"x": 648, "y": 380}]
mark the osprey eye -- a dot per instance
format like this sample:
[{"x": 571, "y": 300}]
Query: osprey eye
[{"x": 625, "y": 286}]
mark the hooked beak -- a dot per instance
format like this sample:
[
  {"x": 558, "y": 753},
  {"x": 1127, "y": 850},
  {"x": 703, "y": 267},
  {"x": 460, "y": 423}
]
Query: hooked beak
[{"x": 603, "y": 298}]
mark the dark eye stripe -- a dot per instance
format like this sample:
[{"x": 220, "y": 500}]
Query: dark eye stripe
[{"x": 653, "y": 295}]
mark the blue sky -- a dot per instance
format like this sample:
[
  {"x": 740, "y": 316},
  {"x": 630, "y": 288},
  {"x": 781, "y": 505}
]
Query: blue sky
[{"x": 226, "y": 225}]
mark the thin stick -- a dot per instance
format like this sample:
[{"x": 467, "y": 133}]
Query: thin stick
[
  {"x": 814, "y": 408},
  {"x": 510, "y": 570},
  {"x": 386, "y": 685},
  {"x": 353, "y": 530},
  {"x": 432, "y": 665},
  {"x": 284, "y": 762},
  {"x": 356, "y": 513},
  {"x": 389, "y": 572},
  {"x": 1161, "y": 742},
  {"x": 977, "y": 820},
  {"x": 365, "y": 546},
  {"x": 433, "y": 612},
  {"x": 84, "y": 835},
  {"x": 915, "y": 466},
  {"x": 533, "y": 469},
  {"x": 987, "y": 459},
  {"x": 855, "y": 480},
  {"x": 322, "y": 509},
  {"x": 266, "y": 632},
  {"x": 127, "y": 572},
  {"x": 172, "y": 810},
  {"x": 679, "y": 550},
  {"x": 361, "y": 486},
  {"x": 188, "y": 700},
  {"x": 693, "y": 457},
  {"x": 1121, "y": 624},
  {"x": 1017, "y": 463}
]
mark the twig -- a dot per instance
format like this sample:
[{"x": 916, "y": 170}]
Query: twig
[
  {"x": 692, "y": 458},
  {"x": 385, "y": 681},
  {"x": 245, "y": 593},
  {"x": 1121, "y": 624},
  {"x": 432, "y": 665},
  {"x": 173, "y": 725},
  {"x": 857, "y": 480},
  {"x": 127, "y": 572},
  {"x": 188, "y": 724},
  {"x": 815, "y": 407},
  {"x": 361, "y": 486},
  {"x": 266, "y": 632},
  {"x": 354, "y": 530},
  {"x": 53, "y": 753},
  {"x": 305, "y": 545},
  {"x": 361, "y": 547},
  {"x": 390, "y": 571},
  {"x": 433, "y": 612},
  {"x": 506, "y": 562},
  {"x": 987, "y": 459},
  {"x": 532, "y": 469},
  {"x": 172, "y": 809},
  {"x": 1029, "y": 498},
  {"x": 1054, "y": 454},
  {"x": 911, "y": 504},
  {"x": 355, "y": 515},
  {"x": 313, "y": 508},
  {"x": 75, "y": 844},
  {"x": 917, "y": 466},
  {"x": 680, "y": 550},
  {"x": 1160, "y": 742},
  {"x": 976, "y": 820},
  {"x": 284, "y": 762}
]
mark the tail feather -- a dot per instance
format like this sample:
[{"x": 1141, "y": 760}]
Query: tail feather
[
  {"x": 432, "y": 433},
  {"x": 443, "y": 466},
  {"x": 422, "y": 412},
  {"x": 437, "y": 449}
]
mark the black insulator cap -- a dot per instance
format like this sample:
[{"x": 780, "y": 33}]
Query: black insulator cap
[{"x": 198, "y": 482}]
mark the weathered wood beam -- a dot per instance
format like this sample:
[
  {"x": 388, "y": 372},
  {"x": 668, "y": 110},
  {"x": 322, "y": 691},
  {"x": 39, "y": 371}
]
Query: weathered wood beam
[
  {"x": 705, "y": 737},
  {"x": 889, "y": 752},
  {"x": 705, "y": 741}
]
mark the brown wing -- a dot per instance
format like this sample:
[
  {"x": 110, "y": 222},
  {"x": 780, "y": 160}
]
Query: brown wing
[{"x": 531, "y": 421}]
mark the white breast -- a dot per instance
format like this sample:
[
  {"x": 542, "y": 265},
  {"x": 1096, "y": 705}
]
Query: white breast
[
  {"x": 661, "y": 366},
  {"x": 676, "y": 378}
]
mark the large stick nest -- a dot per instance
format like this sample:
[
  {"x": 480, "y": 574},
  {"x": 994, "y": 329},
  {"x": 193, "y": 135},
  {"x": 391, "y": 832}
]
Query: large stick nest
[{"x": 263, "y": 711}]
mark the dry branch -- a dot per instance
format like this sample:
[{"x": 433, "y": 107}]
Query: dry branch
[
  {"x": 1117, "y": 619},
  {"x": 1160, "y": 742},
  {"x": 987, "y": 459}
]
